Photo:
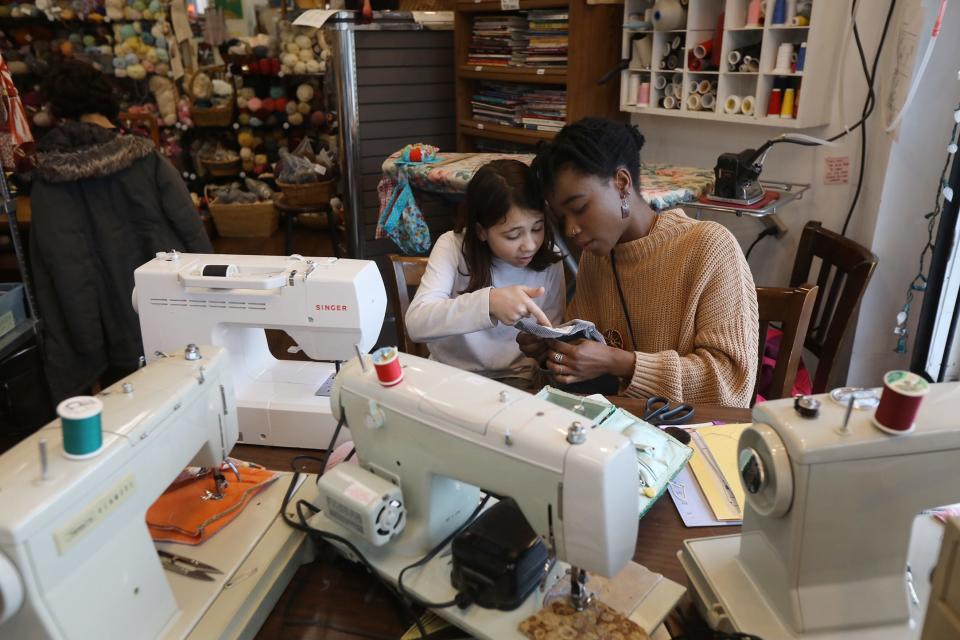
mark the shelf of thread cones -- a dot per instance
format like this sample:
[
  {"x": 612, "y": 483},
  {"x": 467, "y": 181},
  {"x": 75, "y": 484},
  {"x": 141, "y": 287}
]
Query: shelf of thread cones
[{"x": 759, "y": 51}]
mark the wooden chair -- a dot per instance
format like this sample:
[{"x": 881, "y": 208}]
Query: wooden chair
[
  {"x": 792, "y": 308},
  {"x": 846, "y": 267},
  {"x": 407, "y": 272},
  {"x": 146, "y": 121}
]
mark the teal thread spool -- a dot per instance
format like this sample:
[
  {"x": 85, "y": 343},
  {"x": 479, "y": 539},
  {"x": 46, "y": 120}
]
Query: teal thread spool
[{"x": 80, "y": 423}]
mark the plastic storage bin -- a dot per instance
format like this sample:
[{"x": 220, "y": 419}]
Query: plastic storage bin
[{"x": 12, "y": 308}]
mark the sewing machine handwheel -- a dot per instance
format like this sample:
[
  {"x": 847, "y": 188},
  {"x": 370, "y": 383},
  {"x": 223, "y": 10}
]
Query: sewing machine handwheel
[
  {"x": 11, "y": 589},
  {"x": 765, "y": 471}
]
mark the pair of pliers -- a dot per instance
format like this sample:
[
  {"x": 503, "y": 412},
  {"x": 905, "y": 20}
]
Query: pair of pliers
[
  {"x": 193, "y": 569},
  {"x": 659, "y": 412}
]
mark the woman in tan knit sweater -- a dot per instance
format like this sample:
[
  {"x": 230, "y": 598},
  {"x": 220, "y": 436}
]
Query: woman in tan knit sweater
[{"x": 683, "y": 321}]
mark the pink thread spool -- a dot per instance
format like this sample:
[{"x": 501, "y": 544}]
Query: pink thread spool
[
  {"x": 643, "y": 94},
  {"x": 903, "y": 392},
  {"x": 386, "y": 361}
]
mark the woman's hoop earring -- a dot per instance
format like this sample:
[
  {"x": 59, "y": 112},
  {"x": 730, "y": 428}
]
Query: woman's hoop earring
[{"x": 624, "y": 207}]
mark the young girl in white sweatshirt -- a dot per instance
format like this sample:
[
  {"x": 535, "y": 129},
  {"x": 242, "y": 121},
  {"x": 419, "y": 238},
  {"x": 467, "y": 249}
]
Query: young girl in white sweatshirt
[{"x": 482, "y": 279}]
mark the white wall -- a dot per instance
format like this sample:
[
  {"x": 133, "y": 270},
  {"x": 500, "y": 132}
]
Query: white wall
[{"x": 889, "y": 215}]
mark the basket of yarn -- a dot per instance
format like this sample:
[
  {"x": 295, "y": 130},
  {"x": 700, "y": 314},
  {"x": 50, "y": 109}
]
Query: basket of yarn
[
  {"x": 222, "y": 163},
  {"x": 211, "y": 100},
  {"x": 305, "y": 179},
  {"x": 242, "y": 214}
]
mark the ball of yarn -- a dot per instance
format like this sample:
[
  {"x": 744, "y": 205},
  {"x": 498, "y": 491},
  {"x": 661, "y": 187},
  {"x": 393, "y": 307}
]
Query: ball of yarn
[
  {"x": 241, "y": 102},
  {"x": 267, "y": 105},
  {"x": 303, "y": 108},
  {"x": 289, "y": 59},
  {"x": 127, "y": 31},
  {"x": 255, "y": 121},
  {"x": 136, "y": 72},
  {"x": 300, "y": 68},
  {"x": 280, "y": 105},
  {"x": 293, "y": 48},
  {"x": 246, "y": 153},
  {"x": 89, "y": 40},
  {"x": 265, "y": 67},
  {"x": 245, "y": 139},
  {"x": 303, "y": 42},
  {"x": 148, "y": 39},
  {"x": 161, "y": 68},
  {"x": 295, "y": 119},
  {"x": 305, "y": 93},
  {"x": 277, "y": 92},
  {"x": 248, "y": 92},
  {"x": 313, "y": 66},
  {"x": 244, "y": 118},
  {"x": 131, "y": 59},
  {"x": 274, "y": 66},
  {"x": 305, "y": 55},
  {"x": 162, "y": 55},
  {"x": 291, "y": 107},
  {"x": 318, "y": 119},
  {"x": 254, "y": 104},
  {"x": 66, "y": 48}
]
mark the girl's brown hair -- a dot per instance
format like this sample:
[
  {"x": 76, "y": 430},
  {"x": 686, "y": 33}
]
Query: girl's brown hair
[{"x": 494, "y": 189}]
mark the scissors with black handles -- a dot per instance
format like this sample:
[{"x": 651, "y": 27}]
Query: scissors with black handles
[{"x": 660, "y": 412}]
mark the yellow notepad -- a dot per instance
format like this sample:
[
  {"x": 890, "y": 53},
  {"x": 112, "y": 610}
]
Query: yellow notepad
[{"x": 721, "y": 441}]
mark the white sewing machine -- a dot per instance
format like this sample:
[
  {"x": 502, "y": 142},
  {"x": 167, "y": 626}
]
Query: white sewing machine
[
  {"x": 76, "y": 558},
  {"x": 832, "y": 546},
  {"x": 326, "y": 305},
  {"x": 440, "y": 435}
]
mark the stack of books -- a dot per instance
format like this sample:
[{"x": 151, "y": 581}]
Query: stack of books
[
  {"x": 497, "y": 103},
  {"x": 544, "y": 41},
  {"x": 496, "y": 39},
  {"x": 544, "y": 109},
  {"x": 540, "y": 108}
]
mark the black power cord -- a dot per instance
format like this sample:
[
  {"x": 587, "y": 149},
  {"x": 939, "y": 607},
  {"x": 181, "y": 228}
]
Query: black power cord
[
  {"x": 768, "y": 231},
  {"x": 463, "y": 600},
  {"x": 868, "y": 106}
]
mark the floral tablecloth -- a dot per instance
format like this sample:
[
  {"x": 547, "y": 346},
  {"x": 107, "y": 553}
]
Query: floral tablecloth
[{"x": 662, "y": 185}]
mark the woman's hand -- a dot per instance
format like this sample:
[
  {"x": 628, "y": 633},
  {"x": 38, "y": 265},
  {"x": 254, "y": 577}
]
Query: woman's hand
[
  {"x": 581, "y": 360},
  {"x": 533, "y": 347},
  {"x": 509, "y": 304}
]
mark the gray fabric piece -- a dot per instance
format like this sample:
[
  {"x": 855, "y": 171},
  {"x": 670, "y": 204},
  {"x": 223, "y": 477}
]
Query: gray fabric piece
[
  {"x": 87, "y": 237},
  {"x": 567, "y": 331}
]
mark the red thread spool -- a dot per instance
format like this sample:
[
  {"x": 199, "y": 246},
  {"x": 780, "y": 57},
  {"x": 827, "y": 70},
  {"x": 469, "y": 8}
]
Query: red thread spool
[
  {"x": 773, "y": 106},
  {"x": 387, "y": 363},
  {"x": 903, "y": 392}
]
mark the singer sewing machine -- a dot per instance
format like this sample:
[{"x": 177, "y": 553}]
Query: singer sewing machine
[
  {"x": 76, "y": 558},
  {"x": 326, "y": 305},
  {"x": 832, "y": 546},
  {"x": 428, "y": 445}
]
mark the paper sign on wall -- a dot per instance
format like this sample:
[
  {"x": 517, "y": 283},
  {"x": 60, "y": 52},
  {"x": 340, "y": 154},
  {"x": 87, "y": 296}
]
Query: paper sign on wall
[
  {"x": 837, "y": 170},
  {"x": 509, "y": 5}
]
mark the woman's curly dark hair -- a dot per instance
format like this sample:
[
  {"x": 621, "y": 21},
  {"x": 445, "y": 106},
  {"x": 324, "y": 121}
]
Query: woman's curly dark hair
[{"x": 74, "y": 88}]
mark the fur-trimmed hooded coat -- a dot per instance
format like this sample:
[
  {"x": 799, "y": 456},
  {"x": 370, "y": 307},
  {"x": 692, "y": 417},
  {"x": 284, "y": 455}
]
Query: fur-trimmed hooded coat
[{"x": 103, "y": 204}]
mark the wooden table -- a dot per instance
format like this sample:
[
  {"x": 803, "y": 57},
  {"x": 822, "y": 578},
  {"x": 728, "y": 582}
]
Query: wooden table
[{"x": 332, "y": 599}]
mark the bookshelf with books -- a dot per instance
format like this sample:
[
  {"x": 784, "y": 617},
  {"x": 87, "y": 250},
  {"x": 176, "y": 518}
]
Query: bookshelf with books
[{"x": 522, "y": 74}]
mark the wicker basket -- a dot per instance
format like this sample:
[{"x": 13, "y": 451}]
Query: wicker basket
[
  {"x": 257, "y": 220},
  {"x": 311, "y": 194},
  {"x": 222, "y": 169},
  {"x": 218, "y": 116}
]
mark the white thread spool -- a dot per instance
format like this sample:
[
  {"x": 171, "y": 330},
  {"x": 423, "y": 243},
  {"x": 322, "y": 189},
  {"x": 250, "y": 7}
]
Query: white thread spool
[
  {"x": 660, "y": 83},
  {"x": 693, "y": 87},
  {"x": 747, "y": 105},
  {"x": 734, "y": 58},
  {"x": 693, "y": 102},
  {"x": 678, "y": 91},
  {"x": 669, "y": 102},
  {"x": 700, "y": 52},
  {"x": 784, "y": 53},
  {"x": 791, "y": 10},
  {"x": 669, "y": 15},
  {"x": 732, "y": 104},
  {"x": 633, "y": 88},
  {"x": 708, "y": 101},
  {"x": 703, "y": 86},
  {"x": 643, "y": 52}
]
